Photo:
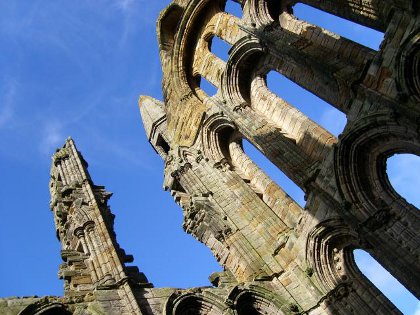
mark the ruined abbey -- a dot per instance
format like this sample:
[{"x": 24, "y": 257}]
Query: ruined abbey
[{"x": 278, "y": 257}]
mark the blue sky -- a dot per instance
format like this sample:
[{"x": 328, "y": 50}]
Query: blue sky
[{"x": 76, "y": 69}]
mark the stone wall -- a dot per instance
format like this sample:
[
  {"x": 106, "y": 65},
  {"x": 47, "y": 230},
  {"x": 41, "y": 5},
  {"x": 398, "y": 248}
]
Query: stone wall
[{"x": 282, "y": 257}]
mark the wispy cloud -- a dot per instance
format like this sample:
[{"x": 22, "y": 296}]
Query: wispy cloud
[
  {"x": 52, "y": 137},
  {"x": 128, "y": 155},
  {"x": 154, "y": 78},
  {"x": 7, "y": 104},
  {"x": 116, "y": 149},
  {"x": 333, "y": 120},
  {"x": 125, "y": 5},
  {"x": 417, "y": 312},
  {"x": 135, "y": 13}
]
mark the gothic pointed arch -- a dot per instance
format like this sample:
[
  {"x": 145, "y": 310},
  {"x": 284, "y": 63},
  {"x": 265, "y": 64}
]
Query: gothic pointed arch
[
  {"x": 329, "y": 252},
  {"x": 360, "y": 166},
  {"x": 255, "y": 300},
  {"x": 180, "y": 63},
  {"x": 244, "y": 55},
  {"x": 82, "y": 218},
  {"x": 264, "y": 12},
  {"x": 330, "y": 260},
  {"x": 195, "y": 303},
  {"x": 45, "y": 307},
  {"x": 215, "y": 136},
  {"x": 360, "y": 161},
  {"x": 167, "y": 26},
  {"x": 408, "y": 63}
]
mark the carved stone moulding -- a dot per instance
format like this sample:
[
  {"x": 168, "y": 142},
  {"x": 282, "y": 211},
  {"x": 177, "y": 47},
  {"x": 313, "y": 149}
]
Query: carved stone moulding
[
  {"x": 45, "y": 307},
  {"x": 360, "y": 164},
  {"x": 193, "y": 303},
  {"x": 409, "y": 67},
  {"x": 329, "y": 253},
  {"x": 254, "y": 299}
]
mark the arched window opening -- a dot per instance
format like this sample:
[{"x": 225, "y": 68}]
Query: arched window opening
[
  {"x": 79, "y": 247},
  {"x": 162, "y": 144},
  {"x": 274, "y": 173},
  {"x": 234, "y": 8},
  {"x": 224, "y": 138},
  {"x": 251, "y": 304},
  {"x": 56, "y": 311},
  {"x": 207, "y": 87},
  {"x": 274, "y": 9},
  {"x": 403, "y": 173},
  {"x": 247, "y": 309},
  {"x": 385, "y": 282},
  {"x": 312, "y": 106},
  {"x": 358, "y": 33},
  {"x": 193, "y": 305},
  {"x": 176, "y": 186},
  {"x": 46, "y": 309},
  {"x": 219, "y": 48},
  {"x": 169, "y": 25}
]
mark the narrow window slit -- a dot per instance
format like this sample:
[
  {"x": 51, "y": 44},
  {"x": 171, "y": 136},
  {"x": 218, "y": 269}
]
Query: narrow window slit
[
  {"x": 274, "y": 173},
  {"x": 234, "y": 8},
  {"x": 207, "y": 87},
  {"x": 356, "y": 32},
  {"x": 385, "y": 282},
  {"x": 163, "y": 144},
  {"x": 219, "y": 48},
  {"x": 309, "y": 104}
]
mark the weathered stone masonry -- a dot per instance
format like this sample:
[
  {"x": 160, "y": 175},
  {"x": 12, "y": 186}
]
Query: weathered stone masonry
[
  {"x": 278, "y": 257},
  {"x": 96, "y": 280},
  {"x": 284, "y": 258}
]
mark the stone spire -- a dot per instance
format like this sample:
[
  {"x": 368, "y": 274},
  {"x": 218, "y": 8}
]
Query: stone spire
[
  {"x": 154, "y": 120},
  {"x": 152, "y": 113},
  {"x": 92, "y": 257}
]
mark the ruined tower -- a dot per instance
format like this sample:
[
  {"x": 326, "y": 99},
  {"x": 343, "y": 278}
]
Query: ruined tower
[
  {"x": 96, "y": 277},
  {"x": 93, "y": 260},
  {"x": 281, "y": 258}
]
